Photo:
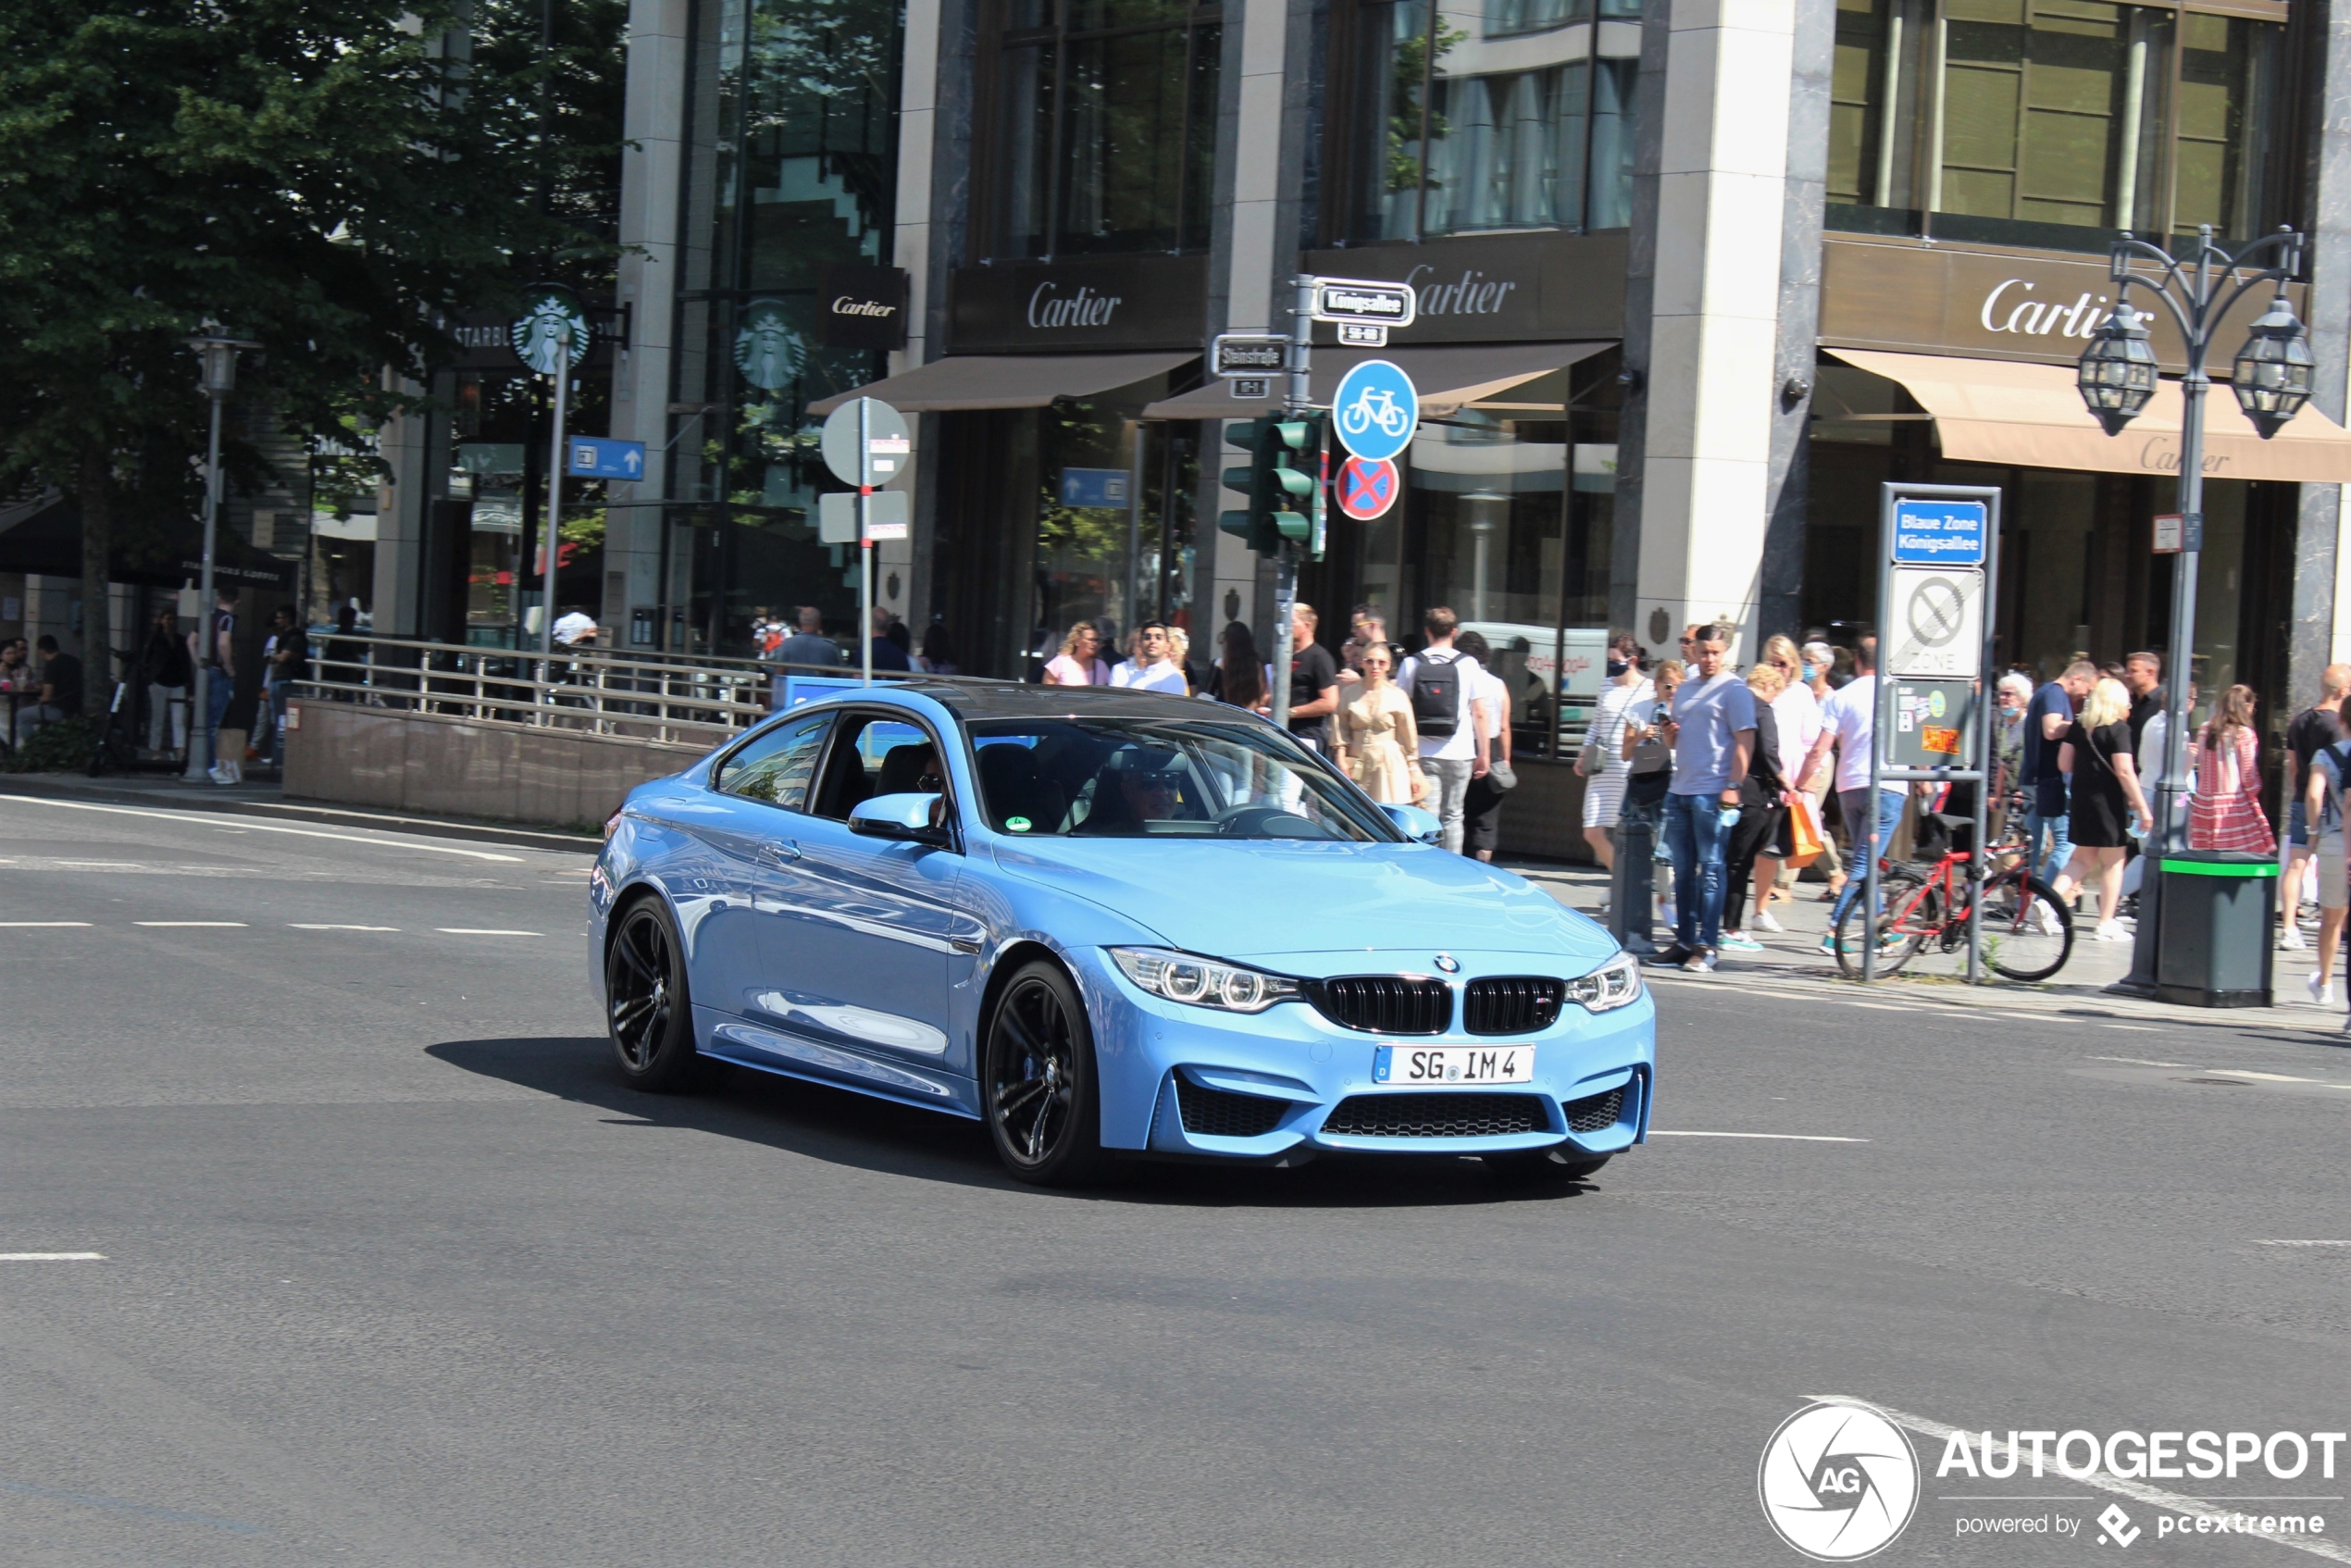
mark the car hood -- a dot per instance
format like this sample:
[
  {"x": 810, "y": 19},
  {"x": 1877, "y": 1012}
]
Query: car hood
[{"x": 1264, "y": 898}]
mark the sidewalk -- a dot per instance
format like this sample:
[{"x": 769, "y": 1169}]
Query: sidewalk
[
  {"x": 262, "y": 797},
  {"x": 1792, "y": 961}
]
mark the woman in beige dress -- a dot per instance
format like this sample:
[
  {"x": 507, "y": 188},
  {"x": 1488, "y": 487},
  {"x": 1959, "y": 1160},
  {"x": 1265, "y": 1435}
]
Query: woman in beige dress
[{"x": 1377, "y": 742}]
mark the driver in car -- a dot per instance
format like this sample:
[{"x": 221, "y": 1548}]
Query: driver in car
[{"x": 1136, "y": 787}]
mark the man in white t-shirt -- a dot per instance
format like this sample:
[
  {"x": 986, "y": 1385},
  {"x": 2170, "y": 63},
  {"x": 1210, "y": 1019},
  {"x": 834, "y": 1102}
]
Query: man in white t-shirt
[
  {"x": 1153, "y": 667},
  {"x": 1441, "y": 683},
  {"x": 1848, "y": 717}
]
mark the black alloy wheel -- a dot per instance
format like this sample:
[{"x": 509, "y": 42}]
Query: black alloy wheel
[
  {"x": 1042, "y": 1105},
  {"x": 646, "y": 1002}
]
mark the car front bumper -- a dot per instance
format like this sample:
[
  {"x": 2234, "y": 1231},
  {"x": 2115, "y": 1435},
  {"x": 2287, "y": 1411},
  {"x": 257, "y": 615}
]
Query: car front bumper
[{"x": 1192, "y": 1082}]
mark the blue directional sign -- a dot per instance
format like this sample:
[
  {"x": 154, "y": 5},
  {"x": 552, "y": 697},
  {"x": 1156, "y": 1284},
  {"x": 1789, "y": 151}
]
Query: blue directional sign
[
  {"x": 1109, "y": 488},
  {"x": 1941, "y": 533},
  {"x": 595, "y": 458},
  {"x": 1375, "y": 409}
]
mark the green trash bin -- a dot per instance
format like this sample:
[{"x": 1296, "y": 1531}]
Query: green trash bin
[{"x": 2217, "y": 906}]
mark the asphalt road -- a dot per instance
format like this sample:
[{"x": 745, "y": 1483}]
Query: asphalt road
[{"x": 394, "y": 1271}]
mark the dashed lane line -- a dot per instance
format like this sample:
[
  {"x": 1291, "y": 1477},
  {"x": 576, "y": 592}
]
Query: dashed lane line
[
  {"x": 482, "y": 931},
  {"x": 193, "y": 925},
  {"x": 43, "y": 925},
  {"x": 2290, "y": 1241},
  {"x": 305, "y": 925},
  {"x": 202, "y": 820},
  {"x": 52, "y": 1257},
  {"x": 1779, "y": 1137}
]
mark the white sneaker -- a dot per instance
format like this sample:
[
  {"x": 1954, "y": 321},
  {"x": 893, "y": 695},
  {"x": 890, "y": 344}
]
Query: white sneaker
[
  {"x": 215, "y": 775},
  {"x": 2322, "y": 989},
  {"x": 2112, "y": 931},
  {"x": 1765, "y": 922},
  {"x": 2045, "y": 920},
  {"x": 2293, "y": 937}
]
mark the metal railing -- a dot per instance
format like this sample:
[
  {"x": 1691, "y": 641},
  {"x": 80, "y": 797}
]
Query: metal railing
[{"x": 661, "y": 698}]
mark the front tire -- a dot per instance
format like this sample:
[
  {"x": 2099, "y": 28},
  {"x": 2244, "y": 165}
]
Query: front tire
[
  {"x": 1037, "y": 1084},
  {"x": 647, "y": 1005}
]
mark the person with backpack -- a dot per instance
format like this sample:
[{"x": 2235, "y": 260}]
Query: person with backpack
[
  {"x": 2321, "y": 808},
  {"x": 1439, "y": 682}
]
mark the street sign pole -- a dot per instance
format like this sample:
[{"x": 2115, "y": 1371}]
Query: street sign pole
[
  {"x": 865, "y": 535},
  {"x": 1297, "y": 398},
  {"x": 554, "y": 536},
  {"x": 1954, "y": 531}
]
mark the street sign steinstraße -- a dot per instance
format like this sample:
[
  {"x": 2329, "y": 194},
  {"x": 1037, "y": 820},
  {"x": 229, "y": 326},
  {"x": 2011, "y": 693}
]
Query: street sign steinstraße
[{"x": 1249, "y": 353}]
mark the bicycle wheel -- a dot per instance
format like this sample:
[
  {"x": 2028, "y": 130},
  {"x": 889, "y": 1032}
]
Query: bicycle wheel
[
  {"x": 1913, "y": 911},
  {"x": 2027, "y": 934}
]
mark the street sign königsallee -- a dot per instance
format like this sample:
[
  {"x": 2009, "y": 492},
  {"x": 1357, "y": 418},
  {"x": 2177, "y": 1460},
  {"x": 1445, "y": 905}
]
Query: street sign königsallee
[
  {"x": 1362, "y": 299},
  {"x": 1932, "y": 531},
  {"x": 1249, "y": 353}
]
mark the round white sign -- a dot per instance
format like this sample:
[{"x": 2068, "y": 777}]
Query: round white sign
[{"x": 1838, "y": 1481}]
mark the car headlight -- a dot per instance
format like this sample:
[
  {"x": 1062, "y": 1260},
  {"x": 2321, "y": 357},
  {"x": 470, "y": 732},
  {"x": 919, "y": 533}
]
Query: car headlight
[
  {"x": 1202, "y": 982},
  {"x": 1614, "y": 984}
]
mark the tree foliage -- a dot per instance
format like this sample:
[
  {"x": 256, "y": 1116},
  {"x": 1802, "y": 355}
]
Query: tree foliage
[{"x": 331, "y": 178}]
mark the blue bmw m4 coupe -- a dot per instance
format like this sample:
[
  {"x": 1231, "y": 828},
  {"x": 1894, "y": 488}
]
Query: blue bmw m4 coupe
[{"x": 1108, "y": 925}]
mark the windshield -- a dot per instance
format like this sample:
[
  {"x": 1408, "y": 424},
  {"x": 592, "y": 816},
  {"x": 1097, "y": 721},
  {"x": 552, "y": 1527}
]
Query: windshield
[{"x": 1148, "y": 777}]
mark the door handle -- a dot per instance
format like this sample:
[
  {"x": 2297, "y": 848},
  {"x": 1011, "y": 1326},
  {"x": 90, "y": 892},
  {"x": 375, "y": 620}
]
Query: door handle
[
  {"x": 779, "y": 850},
  {"x": 963, "y": 944}
]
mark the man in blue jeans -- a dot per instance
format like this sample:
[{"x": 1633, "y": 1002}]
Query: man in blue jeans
[
  {"x": 1712, "y": 733},
  {"x": 1849, "y": 718},
  {"x": 2046, "y": 809}
]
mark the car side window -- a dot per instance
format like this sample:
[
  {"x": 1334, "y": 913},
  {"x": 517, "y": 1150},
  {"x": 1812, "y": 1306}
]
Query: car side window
[
  {"x": 874, "y": 755},
  {"x": 776, "y": 766}
]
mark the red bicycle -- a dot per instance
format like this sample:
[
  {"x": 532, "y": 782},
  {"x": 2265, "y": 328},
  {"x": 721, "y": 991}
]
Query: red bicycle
[{"x": 2028, "y": 934}]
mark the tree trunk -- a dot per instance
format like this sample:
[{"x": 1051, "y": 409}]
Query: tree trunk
[{"x": 97, "y": 543}]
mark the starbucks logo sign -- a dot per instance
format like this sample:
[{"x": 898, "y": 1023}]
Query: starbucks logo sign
[
  {"x": 552, "y": 331},
  {"x": 767, "y": 349}
]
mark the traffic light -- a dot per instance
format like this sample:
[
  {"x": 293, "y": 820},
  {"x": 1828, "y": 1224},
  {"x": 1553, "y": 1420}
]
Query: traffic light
[{"x": 1280, "y": 481}]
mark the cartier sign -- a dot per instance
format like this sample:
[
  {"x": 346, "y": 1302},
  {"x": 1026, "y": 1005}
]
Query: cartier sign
[
  {"x": 1497, "y": 288},
  {"x": 1075, "y": 306},
  {"x": 861, "y": 307},
  {"x": 1920, "y": 298}
]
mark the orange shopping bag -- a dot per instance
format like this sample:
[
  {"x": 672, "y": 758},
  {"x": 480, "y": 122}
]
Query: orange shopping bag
[{"x": 1803, "y": 830}]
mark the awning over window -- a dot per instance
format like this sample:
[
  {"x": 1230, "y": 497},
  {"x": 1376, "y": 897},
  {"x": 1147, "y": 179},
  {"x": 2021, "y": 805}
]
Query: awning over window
[
  {"x": 2004, "y": 411},
  {"x": 1447, "y": 376},
  {"x": 154, "y": 551},
  {"x": 1008, "y": 381}
]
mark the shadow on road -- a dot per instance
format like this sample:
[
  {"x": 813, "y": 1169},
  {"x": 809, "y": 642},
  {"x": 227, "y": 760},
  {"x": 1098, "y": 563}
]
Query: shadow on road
[{"x": 846, "y": 1128}]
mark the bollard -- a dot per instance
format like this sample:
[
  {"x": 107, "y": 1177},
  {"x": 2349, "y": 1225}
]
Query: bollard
[{"x": 1632, "y": 887}]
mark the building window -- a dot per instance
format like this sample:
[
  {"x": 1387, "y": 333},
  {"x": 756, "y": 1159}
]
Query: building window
[
  {"x": 2052, "y": 122},
  {"x": 1473, "y": 116},
  {"x": 1106, "y": 125}
]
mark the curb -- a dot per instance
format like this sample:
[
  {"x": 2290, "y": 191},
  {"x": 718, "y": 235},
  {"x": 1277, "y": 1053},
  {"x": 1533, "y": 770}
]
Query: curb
[{"x": 171, "y": 794}]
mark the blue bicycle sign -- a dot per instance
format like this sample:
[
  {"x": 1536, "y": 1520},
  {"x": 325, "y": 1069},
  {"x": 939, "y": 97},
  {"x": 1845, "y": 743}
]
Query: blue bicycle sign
[{"x": 1375, "y": 409}]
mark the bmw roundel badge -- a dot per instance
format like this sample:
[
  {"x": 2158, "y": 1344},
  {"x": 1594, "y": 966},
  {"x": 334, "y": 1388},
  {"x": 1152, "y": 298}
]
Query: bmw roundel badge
[{"x": 1447, "y": 962}]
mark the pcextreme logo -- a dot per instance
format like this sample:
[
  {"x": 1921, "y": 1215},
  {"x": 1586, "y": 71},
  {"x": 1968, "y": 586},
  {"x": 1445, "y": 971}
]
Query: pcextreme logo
[{"x": 1838, "y": 1482}]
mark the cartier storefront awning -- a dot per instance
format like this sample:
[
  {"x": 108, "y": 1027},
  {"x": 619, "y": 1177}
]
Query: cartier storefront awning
[
  {"x": 2011, "y": 411},
  {"x": 1008, "y": 381},
  {"x": 1446, "y": 376}
]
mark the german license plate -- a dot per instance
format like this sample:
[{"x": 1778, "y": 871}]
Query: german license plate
[{"x": 1453, "y": 1064}]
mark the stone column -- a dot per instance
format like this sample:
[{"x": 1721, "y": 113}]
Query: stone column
[
  {"x": 2319, "y": 633},
  {"x": 1708, "y": 360}
]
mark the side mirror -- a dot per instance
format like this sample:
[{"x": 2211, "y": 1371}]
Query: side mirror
[
  {"x": 921, "y": 819},
  {"x": 1419, "y": 825}
]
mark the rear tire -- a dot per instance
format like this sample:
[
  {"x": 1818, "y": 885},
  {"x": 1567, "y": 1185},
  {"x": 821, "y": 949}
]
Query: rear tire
[
  {"x": 2014, "y": 943},
  {"x": 1917, "y": 916},
  {"x": 1039, "y": 1090},
  {"x": 648, "y": 1008},
  {"x": 1545, "y": 1168}
]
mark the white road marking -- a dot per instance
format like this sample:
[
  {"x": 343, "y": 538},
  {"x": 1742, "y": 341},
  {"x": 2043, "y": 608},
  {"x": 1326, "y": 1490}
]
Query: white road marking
[
  {"x": 41, "y": 925},
  {"x": 482, "y": 931},
  {"x": 52, "y": 1257},
  {"x": 2137, "y": 1491},
  {"x": 299, "y": 926},
  {"x": 2140, "y": 1061},
  {"x": 2141, "y": 1029},
  {"x": 2289, "y": 1242},
  {"x": 203, "y": 820},
  {"x": 196, "y": 925},
  {"x": 1783, "y": 1137}
]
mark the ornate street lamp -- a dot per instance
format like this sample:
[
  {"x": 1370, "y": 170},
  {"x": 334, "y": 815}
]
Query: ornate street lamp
[
  {"x": 2271, "y": 376},
  {"x": 2117, "y": 376},
  {"x": 217, "y": 374}
]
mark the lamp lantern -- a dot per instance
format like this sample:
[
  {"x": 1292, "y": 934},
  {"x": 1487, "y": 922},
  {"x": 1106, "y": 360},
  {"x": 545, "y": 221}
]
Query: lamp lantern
[{"x": 2118, "y": 370}]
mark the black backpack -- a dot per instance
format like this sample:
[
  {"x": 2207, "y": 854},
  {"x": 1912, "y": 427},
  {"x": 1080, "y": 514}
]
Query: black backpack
[{"x": 1437, "y": 696}]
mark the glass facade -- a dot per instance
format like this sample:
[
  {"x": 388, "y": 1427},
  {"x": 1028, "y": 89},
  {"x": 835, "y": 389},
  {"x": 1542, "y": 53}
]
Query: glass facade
[
  {"x": 791, "y": 169},
  {"x": 2053, "y": 122},
  {"x": 1479, "y": 116},
  {"x": 1105, "y": 137}
]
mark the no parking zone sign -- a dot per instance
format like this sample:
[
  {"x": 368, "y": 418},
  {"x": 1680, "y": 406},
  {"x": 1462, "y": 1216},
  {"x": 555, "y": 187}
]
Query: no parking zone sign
[{"x": 1367, "y": 486}]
